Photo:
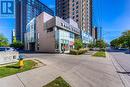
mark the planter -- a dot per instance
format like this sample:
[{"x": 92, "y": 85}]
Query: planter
[{"x": 78, "y": 52}]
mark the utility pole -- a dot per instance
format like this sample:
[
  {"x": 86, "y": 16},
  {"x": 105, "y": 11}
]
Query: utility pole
[{"x": 100, "y": 33}]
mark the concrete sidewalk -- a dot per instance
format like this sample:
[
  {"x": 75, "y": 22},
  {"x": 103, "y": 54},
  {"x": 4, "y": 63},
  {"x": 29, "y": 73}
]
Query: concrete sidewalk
[
  {"x": 121, "y": 71},
  {"x": 78, "y": 71}
]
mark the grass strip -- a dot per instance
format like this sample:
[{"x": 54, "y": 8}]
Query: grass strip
[
  {"x": 14, "y": 68},
  {"x": 58, "y": 82}
]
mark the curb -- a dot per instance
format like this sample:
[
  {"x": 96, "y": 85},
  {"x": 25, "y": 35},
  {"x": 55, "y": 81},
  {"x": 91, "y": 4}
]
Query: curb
[{"x": 123, "y": 77}]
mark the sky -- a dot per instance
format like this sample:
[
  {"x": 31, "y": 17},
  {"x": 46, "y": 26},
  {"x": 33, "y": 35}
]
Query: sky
[{"x": 112, "y": 15}]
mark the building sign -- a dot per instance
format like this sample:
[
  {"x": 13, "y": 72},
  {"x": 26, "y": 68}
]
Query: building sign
[
  {"x": 71, "y": 43},
  {"x": 86, "y": 37},
  {"x": 69, "y": 27},
  {"x": 7, "y": 8},
  {"x": 61, "y": 23}
]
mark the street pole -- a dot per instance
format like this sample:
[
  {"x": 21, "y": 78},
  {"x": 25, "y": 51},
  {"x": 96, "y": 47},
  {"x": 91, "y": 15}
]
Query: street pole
[{"x": 100, "y": 33}]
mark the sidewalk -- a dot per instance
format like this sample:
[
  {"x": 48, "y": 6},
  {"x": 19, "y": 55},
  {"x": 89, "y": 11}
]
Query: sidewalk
[
  {"x": 78, "y": 71},
  {"x": 124, "y": 77}
]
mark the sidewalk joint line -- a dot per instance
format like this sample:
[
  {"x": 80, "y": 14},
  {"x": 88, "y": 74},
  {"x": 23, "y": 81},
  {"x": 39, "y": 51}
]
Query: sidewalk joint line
[
  {"x": 20, "y": 80},
  {"x": 117, "y": 70}
]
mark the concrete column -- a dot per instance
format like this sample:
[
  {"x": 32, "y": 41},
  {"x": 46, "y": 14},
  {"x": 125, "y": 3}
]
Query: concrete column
[{"x": 56, "y": 37}]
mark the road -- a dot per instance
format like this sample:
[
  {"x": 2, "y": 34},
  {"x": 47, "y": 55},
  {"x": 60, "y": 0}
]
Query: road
[
  {"x": 78, "y": 71},
  {"x": 122, "y": 58}
]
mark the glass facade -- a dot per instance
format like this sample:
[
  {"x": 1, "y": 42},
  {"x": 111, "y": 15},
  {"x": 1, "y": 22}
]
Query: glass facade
[
  {"x": 34, "y": 8},
  {"x": 31, "y": 31},
  {"x": 26, "y": 10},
  {"x": 66, "y": 40}
]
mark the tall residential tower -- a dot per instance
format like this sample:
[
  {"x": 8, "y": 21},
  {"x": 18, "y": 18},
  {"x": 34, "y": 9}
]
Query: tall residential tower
[{"x": 79, "y": 10}]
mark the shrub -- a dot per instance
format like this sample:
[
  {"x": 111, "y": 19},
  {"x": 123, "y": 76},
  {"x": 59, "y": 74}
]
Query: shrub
[
  {"x": 91, "y": 45},
  {"x": 78, "y": 44},
  {"x": 100, "y": 54},
  {"x": 74, "y": 52},
  {"x": 17, "y": 44},
  {"x": 82, "y": 51},
  {"x": 103, "y": 49},
  {"x": 3, "y": 41},
  {"x": 78, "y": 52}
]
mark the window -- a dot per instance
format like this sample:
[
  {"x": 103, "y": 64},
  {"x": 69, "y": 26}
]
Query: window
[
  {"x": 37, "y": 47},
  {"x": 77, "y": 15},
  {"x": 72, "y": 4},
  {"x": 77, "y": 7},
  {"x": 73, "y": 13},
  {"x": 73, "y": 1},
  {"x": 2, "y": 49},
  {"x": 73, "y": 17},
  {"x": 77, "y": 11},
  {"x": 37, "y": 35},
  {"x": 73, "y": 9},
  {"x": 61, "y": 24},
  {"x": 77, "y": 20},
  {"x": 64, "y": 10},
  {"x": 63, "y": 3},
  {"x": 71, "y": 35},
  {"x": 50, "y": 30},
  {"x": 77, "y": 2},
  {"x": 62, "y": 7}
]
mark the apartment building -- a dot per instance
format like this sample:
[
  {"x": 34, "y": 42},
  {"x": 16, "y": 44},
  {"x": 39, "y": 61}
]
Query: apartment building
[
  {"x": 95, "y": 33},
  {"x": 79, "y": 10}
]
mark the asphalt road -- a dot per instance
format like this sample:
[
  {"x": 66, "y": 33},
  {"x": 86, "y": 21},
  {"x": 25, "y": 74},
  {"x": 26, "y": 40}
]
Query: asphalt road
[
  {"x": 78, "y": 71},
  {"x": 122, "y": 58}
]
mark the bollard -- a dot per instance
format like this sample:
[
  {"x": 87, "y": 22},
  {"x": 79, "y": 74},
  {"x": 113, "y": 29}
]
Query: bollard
[{"x": 21, "y": 61}]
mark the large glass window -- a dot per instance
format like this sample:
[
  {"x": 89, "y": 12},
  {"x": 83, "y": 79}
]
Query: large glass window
[
  {"x": 34, "y": 8},
  {"x": 71, "y": 35}
]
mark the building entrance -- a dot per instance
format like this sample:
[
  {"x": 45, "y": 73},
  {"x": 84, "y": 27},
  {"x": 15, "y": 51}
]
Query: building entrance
[{"x": 32, "y": 46}]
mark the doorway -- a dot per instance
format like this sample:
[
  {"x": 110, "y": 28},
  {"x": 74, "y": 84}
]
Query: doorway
[{"x": 32, "y": 46}]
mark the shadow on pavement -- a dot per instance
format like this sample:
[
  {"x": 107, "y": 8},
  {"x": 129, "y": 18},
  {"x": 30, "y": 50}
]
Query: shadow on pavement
[
  {"x": 16, "y": 67},
  {"x": 123, "y": 72},
  {"x": 126, "y": 51}
]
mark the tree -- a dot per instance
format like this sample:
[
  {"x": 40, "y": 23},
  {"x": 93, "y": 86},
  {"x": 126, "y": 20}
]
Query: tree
[
  {"x": 122, "y": 41},
  {"x": 115, "y": 43},
  {"x": 3, "y": 40},
  {"x": 126, "y": 37},
  {"x": 100, "y": 44},
  {"x": 91, "y": 45},
  {"x": 14, "y": 39},
  {"x": 78, "y": 44},
  {"x": 17, "y": 44}
]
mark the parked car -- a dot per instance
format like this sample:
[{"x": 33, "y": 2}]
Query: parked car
[{"x": 7, "y": 49}]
